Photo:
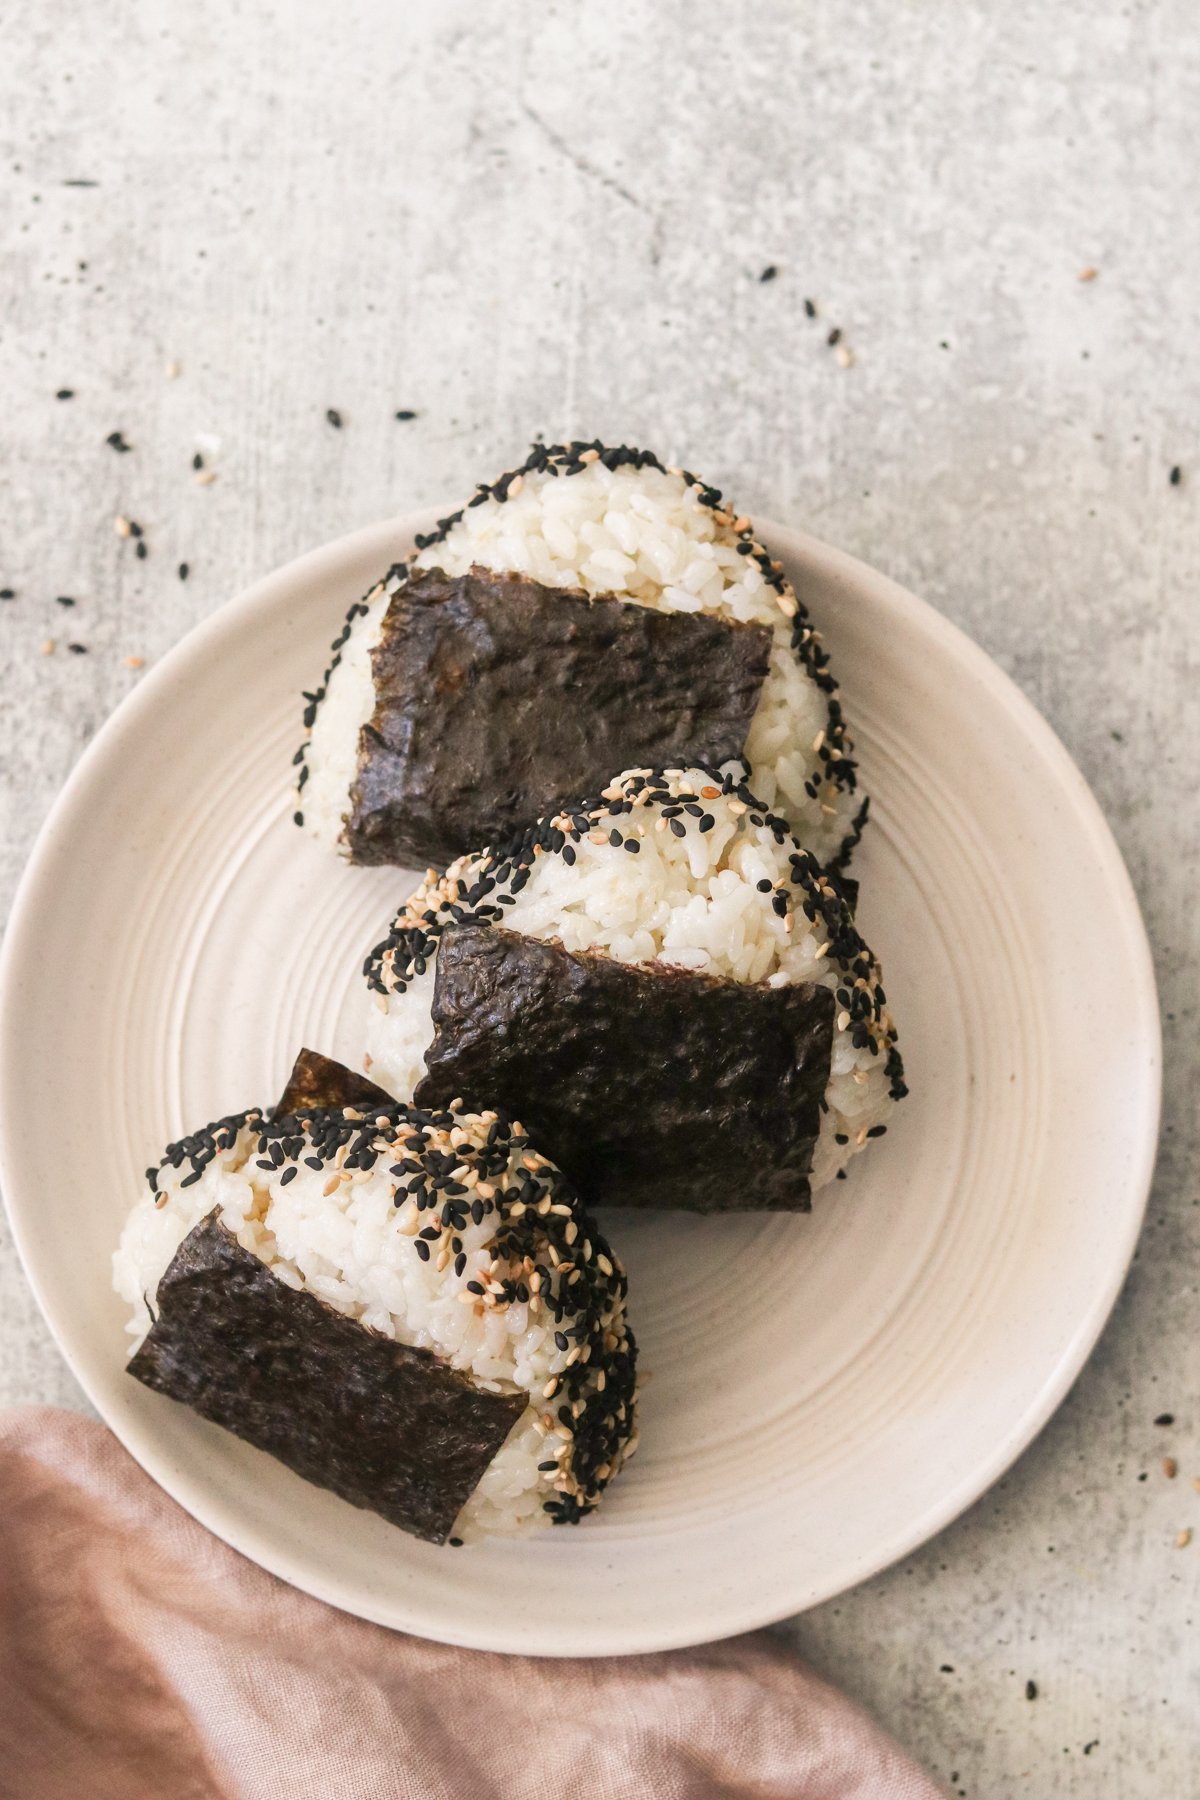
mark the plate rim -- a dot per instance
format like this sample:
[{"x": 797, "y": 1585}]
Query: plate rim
[{"x": 328, "y": 559}]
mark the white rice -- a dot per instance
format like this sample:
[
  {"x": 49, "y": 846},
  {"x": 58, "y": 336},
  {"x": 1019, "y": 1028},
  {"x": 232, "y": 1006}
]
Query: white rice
[
  {"x": 331, "y": 759},
  {"x": 355, "y": 1250},
  {"x": 647, "y": 536},
  {"x": 691, "y": 901}
]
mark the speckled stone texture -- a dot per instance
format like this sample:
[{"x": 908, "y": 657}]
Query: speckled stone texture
[{"x": 555, "y": 218}]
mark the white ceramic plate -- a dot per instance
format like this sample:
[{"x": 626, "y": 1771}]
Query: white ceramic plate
[{"x": 821, "y": 1393}]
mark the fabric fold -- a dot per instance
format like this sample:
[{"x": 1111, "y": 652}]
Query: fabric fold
[{"x": 141, "y": 1657}]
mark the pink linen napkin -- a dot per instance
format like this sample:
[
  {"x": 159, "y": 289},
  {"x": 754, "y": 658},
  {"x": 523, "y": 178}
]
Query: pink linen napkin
[{"x": 140, "y": 1657}]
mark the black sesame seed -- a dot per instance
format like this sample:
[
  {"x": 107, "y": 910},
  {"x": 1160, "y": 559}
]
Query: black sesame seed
[
  {"x": 835, "y": 336},
  {"x": 65, "y": 394},
  {"x": 184, "y": 571},
  {"x": 334, "y": 417},
  {"x": 769, "y": 273},
  {"x": 64, "y": 600},
  {"x": 140, "y": 550},
  {"x": 810, "y": 308},
  {"x": 197, "y": 461},
  {"x": 78, "y": 649},
  {"x": 1176, "y": 476},
  {"x": 115, "y": 441},
  {"x": 404, "y": 415}
]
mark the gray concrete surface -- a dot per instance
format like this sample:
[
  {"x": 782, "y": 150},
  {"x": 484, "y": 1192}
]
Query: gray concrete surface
[{"x": 555, "y": 218}]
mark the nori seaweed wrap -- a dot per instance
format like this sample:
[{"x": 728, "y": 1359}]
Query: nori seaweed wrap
[
  {"x": 386, "y": 1426},
  {"x": 406, "y": 1305},
  {"x": 319, "y": 1083},
  {"x": 740, "y": 1069},
  {"x": 496, "y": 699}
]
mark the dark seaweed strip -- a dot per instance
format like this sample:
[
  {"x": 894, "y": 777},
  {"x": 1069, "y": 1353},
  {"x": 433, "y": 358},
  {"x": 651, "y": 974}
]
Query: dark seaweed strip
[
  {"x": 726, "y": 1122},
  {"x": 318, "y": 1082},
  {"x": 278, "y": 1367},
  {"x": 498, "y": 699}
]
